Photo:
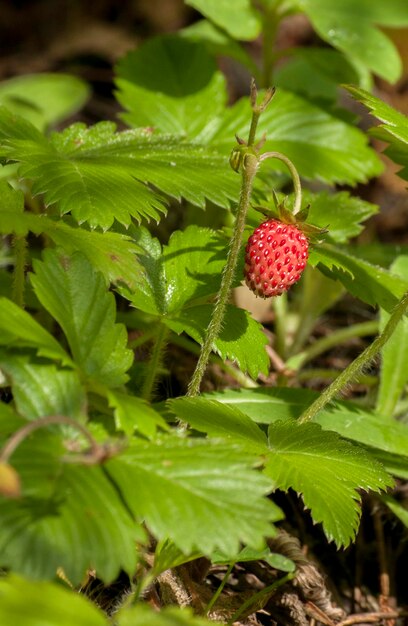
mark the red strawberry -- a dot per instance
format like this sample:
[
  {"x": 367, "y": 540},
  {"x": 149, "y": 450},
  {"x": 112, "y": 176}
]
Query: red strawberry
[{"x": 276, "y": 256}]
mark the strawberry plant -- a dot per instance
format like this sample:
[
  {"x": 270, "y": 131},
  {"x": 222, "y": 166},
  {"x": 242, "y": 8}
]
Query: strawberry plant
[{"x": 123, "y": 244}]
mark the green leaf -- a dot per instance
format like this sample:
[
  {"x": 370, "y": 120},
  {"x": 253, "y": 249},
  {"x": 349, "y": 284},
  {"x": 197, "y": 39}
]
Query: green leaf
[
  {"x": 33, "y": 603},
  {"x": 352, "y": 27},
  {"x": 76, "y": 296},
  {"x": 397, "y": 508},
  {"x": 132, "y": 413},
  {"x": 367, "y": 427},
  {"x": 111, "y": 253},
  {"x": 100, "y": 175},
  {"x": 393, "y": 130},
  {"x": 321, "y": 146},
  {"x": 394, "y": 355},
  {"x": 187, "y": 269},
  {"x": 19, "y": 329},
  {"x": 15, "y": 126},
  {"x": 63, "y": 520},
  {"x": 11, "y": 199},
  {"x": 294, "y": 454},
  {"x": 44, "y": 99},
  {"x": 218, "y": 42},
  {"x": 276, "y": 561},
  {"x": 325, "y": 69},
  {"x": 369, "y": 283},
  {"x": 200, "y": 494},
  {"x": 267, "y": 405},
  {"x": 143, "y": 615},
  {"x": 327, "y": 471},
  {"x": 167, "y": 555},
  {"x": 219, "y": 420},
  {"x": 172, "y": 85},
  {"x": 341, "y": 213},
  {"x": 241, "y": 339},
  {"x": 239, "y": 19},
  {"x": 40, "y": 390}
]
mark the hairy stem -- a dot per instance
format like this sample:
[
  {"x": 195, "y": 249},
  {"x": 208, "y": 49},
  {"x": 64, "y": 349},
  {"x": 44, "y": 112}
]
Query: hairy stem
[
  {"x": 20, "y": 252},
  {"x": 348, "y": 375},
  {"x": 249, "y": 169},
  {"x": 155, "y": 362},
  {"x": 245, "y": 159},
  {"x": 297, "y": 187}
]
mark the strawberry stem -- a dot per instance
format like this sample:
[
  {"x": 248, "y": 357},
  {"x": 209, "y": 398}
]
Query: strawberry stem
[
  {"x": 297, "y": 187},
  {"x": 355, "y": 367},
  {"x": 244, "y": 158},
  {"x": 249, "y": 169}
]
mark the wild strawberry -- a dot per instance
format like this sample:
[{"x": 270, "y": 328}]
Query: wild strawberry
[{"x": 276, "y": 255}]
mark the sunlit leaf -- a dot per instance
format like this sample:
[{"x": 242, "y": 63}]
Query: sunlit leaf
[
  {"x": 370, "y": 283},
  {"x": 76, "y": 296},
  {"x": 171, "y": 84},
  {"x": 33, "y": 603},
  {"x": 18, "y": 328},
  {"x": 44, "y": 99},
  {"x": 241, "y": 339},
  {"x": 240, "y": 19},
  {"x": 132, "y": 413},
  {"x": 352, "y": 27},
  {"x": 99, "y": 175},
  {"x": 43, "y": 389},
  {"x": 327, "y": 471},
  {"x": 201, "y": 494},
  {"x": 394, "y": 355},
  {"x": 69, "y": 517},
  {"x": 393, "y": 129},
  {"x": 320, "y": 145}
]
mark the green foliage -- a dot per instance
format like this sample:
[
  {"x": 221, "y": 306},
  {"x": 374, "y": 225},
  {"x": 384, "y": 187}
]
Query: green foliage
[
  {"x": 45, "y": 603},
  {"x": 327, "y": 471},
  {"x": 210, "y": 482},
  {"x": 325, "y": 69},
  {"x": 353, "y": 28},
  {"x": 394, "y": 355},
  {"x": 340, "y": 213},
  {"x": 370, "y": 283},
  {"x": 291, "y": 456},
  {"x": 47, "y": 529},
  {"x": 145, "y": 616},
  {"x": 241, "y": 340},
  {"x": 132, "y": 413},
  {"x": 320, "y": 145},
  {"x": 99, "y": 175},
  {"x": 249, "y": 554},
  {"x": 240, "y": 20},
  {"x": 117, "y": 484},
  {"x": 20, "y": 329},
  {"x": 76, "y": 296},
  {"x": 44, "y": 99},
  {"x": 366, "y": 427},
  {"x": 150, "y": 83},
  {"x": 393, "y": 130},
  {"x": 43, "y": 389}
]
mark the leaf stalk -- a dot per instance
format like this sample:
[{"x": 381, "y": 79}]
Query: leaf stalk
[
  {"x": 20, "y": 252},
  {"x": 349, "y": 374}
]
